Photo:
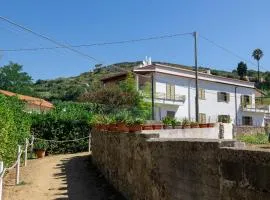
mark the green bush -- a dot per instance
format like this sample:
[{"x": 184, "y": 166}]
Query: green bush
[
  {"x": 254, "y": 139},
  {"x": 14, "y": 128},
  {"x": 68, "y": 121}
]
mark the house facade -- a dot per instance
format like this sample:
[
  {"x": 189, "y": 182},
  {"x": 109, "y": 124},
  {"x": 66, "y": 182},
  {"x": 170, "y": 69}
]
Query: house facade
[{"x": 219, "y": 97}]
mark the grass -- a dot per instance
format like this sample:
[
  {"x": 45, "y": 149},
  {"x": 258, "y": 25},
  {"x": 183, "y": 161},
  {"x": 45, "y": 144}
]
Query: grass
[{"x": 254, "y": 139}]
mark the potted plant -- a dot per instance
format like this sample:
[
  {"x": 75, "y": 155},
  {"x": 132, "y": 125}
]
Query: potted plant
[
  {"x": 194, "y": 125},
  {"x": 167, "y": 122},
  {"x": 135, "y": 125},
  {"x": 173, "y": 123},
  {"x": 157, "y": 125},
  {"x": 210, "y": 125},
  {"x": 203, "y": 125},
  {"x": 185, "y": 123},
  {"x": 121, "y": 119},
  {"x": 112, "y": 123},
  {"x": 40, "y": 147},
  {"x": 178, "y": 124}
]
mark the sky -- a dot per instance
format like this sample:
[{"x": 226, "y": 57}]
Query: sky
[{"x": 240, "y": 26}]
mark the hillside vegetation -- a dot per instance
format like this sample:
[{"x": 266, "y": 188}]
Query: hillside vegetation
[{"x": 71, "y": 88}]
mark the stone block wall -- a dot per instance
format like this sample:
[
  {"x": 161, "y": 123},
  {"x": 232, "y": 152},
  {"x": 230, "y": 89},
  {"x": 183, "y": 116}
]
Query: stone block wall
[{"x": 144, "y": 166}]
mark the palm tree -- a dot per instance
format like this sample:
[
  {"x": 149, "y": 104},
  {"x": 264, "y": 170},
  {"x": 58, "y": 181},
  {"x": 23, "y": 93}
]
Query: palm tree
[{"x": 257, "y": 55}]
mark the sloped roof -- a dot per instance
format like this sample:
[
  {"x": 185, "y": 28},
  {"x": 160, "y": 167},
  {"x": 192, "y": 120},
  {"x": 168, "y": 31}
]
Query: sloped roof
[{"x": 29, "y": 99}]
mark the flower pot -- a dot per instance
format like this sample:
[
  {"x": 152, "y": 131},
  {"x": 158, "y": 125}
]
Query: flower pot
[
  {"x": 40, "y": 153},
  {"x": 135, "y": 128},
  {"x": 185, "y": 126},
  {"x": 112, "y": 127},
  {"x": 178, "y": 127},
  {"x": 147, "y": 127},
  {"x": 210, "y": 125},
  {"x": 157, "y": 126},
  {"x": 122, "y": 127},
  {"x": 195, "y": 126},
  {"x": 167, "y": 127},
  {"x": 203, "y": 125}
]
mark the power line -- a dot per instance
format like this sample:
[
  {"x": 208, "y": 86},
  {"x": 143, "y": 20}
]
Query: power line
[
  {"x": 229, "y": 51},
  {"x": 102, "y": 43},
  {"x": 49, "y": 39}
]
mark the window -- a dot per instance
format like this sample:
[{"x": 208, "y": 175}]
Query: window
[
  {"x": 201, "y": 93},
  {"x": 247, "y": 121},
  {"x": 202, "y": 118},
  {"x": 223, "y": 97},
  {"x": 224, "y": 118},
  {"x": 245, "y": 100},
  {"x": 170, "y": 91},
  {"x": 171, "y": 114}
]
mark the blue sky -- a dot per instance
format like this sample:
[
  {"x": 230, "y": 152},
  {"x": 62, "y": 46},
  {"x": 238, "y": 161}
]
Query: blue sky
[{"x": 239, "y": 25}]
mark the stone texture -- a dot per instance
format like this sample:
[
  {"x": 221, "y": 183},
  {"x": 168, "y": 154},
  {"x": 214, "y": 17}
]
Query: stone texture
[{"x": 145, "y": 167}]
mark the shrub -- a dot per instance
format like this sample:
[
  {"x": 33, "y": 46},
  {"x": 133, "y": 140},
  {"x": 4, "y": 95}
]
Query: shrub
[
  {"x": 14, "y": 127},
  {"x": 254, "y": 139},
  {"x": 68, "y": 121}
]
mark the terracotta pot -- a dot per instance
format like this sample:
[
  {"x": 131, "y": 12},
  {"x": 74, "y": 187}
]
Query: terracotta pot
[
  {"x": 112, "y": 127},
  {"x": 135, "y": 128},
  {"x": 195, "y": 126},
  {"x": 178, "y": 127},
  {"x": 186, "y": 126},
  {"x": 210, "y": 125},
  {"x": 147, "y": 127},
  {"x": 122, "y": 127},
  {"x": 40, "y": 153},
  {"x": 157, "y": 126},
  {"x": 167, "y": 127},
  {"x": 203, "y": 125}
]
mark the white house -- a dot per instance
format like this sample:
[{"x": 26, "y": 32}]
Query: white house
[{"x": 174, "y": 95}]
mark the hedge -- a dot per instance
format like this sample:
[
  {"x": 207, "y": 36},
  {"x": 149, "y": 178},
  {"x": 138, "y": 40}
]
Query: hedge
[{"x": 14, "y": 127}]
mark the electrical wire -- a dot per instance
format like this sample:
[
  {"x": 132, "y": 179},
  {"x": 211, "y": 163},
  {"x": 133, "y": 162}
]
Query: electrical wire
[
  {"x": 102, "y": 43},
  {"x": 49, "y": 39},
  {"x": 229, "y": 51}
]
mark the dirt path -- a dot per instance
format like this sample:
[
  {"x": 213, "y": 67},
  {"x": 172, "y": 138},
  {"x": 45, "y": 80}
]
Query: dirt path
[{"x": 70, "y": 176}]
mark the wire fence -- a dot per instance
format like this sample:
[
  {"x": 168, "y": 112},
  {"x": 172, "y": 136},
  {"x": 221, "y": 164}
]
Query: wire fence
[{"x": 29, "y": 147}]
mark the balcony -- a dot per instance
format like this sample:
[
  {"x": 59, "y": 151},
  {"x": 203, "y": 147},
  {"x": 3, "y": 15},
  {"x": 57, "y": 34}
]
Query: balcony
[
  {"x": 176, "y": 99},
  {"x": 256, "y": 108}
]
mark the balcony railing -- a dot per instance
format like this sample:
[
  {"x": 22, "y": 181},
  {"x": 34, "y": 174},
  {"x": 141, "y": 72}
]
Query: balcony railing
[
  {"x": 256, "y": 108},
  {"x": 164, "y": 97}
]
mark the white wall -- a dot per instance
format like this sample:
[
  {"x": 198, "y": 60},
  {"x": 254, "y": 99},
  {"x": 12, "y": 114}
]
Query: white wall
[{"x": 210, "y": 106}]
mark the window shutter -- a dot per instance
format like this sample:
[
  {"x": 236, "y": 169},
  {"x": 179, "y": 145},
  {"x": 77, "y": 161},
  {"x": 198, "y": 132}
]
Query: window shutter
[
  {"x": 249, "y": 100},
  {"x": 228, "y": 97},
  {"x": 242, "y": 100},
  {"x": 173, "y": 92},
  {"x": 168, "y": 91},
  {"x": 203, "y": 94},
  {"x": 219, "y": 97}
]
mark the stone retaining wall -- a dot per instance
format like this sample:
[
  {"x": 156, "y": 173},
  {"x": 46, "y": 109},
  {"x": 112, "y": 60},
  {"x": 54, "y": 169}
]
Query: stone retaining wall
[{"x": 144, "y": 166}]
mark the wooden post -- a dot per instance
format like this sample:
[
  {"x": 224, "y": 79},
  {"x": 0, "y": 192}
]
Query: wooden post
[
  {"x": 32, "y": 146},
  {"x": 25, "y": 152},
  {"x": 1, "y": 180},
  {"x": 18, "y": 166},
  {"x": 89, "y": 143}
]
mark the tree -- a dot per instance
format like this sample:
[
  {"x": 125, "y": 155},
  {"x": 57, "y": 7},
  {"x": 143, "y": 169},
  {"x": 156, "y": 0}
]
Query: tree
[
  {"x": 13, "y": 79},
  {"x": 242, "y": 69},
  {"x": 257, "y": 55}
]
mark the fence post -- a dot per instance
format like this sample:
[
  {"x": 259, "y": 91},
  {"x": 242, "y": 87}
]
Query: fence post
[
  {"x": 32, "y": 146},
  {"x": 18, "y": 166},
  {"x": 25, "y": 152},
  {"x": 1, "y": 180},
  {"x": 89, "y": 143}
]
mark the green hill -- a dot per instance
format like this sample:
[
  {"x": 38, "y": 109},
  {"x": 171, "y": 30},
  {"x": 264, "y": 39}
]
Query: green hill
[{"x": 69, "y": 89}]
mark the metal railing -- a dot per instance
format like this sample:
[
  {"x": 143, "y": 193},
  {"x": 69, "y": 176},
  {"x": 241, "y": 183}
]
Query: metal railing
[
  {"x": 256, "y": 108},
  {"x": 176, "y": 97}
]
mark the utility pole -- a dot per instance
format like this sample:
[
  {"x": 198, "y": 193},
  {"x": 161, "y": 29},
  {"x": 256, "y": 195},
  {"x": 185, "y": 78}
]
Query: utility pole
[
  {"x": 153, "y": 97},
  {"x": 196, "y": 77}
]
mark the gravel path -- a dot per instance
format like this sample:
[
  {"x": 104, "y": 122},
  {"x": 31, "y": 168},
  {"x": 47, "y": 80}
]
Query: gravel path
[{"x": 69, "y": 176}]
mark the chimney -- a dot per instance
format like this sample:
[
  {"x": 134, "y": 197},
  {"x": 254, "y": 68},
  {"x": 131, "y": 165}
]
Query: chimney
[{"x": 208, "y": 71}]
